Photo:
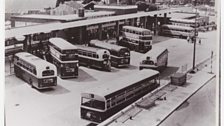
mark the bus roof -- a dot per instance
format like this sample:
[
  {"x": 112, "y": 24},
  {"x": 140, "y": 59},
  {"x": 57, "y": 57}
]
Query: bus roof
[
  {"x": 87, "y": 48},
  {"x": 112, "y": 86},
  {"x": 33, "y": 60},
  {"x": 154, "y": 52},
  {"x": 178, "y": 27},
  {"x": 105, "y": 45},
  {"x": 61, "y": 43},
  {"x": 136, "y": 28}
]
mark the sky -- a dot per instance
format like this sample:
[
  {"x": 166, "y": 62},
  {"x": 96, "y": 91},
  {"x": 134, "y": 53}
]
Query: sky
[{"x": 24, "y": 5}]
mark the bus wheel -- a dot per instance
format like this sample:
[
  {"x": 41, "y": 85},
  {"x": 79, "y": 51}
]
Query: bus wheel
[{"x": 116, "y": 65}]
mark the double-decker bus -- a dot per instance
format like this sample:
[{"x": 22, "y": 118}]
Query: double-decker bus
[
  {"x": 35, "y": 71},
  {"x": 94, "y": 57},
  {"x": 101, "y": 102},
  {"x": 120, "y": 56},
  {"x": 135, "y": 38},
  {"x": 156, "y": 58},
  {"x": 65, "y": 57},
  {"x": 174, "y": 30}
]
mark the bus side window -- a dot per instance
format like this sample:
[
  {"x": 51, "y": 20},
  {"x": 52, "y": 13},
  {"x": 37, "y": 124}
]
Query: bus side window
[
  {"x": 113, "y": 101},
  {"x": 34, "y": 71},
  {"x": 90, "y": 55},
  {"x": 108, "y": 103}
]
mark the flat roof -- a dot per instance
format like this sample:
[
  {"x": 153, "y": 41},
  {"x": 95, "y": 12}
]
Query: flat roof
[
  {"x": 60, "y": 26},
  {"x": 120, "y": 83},
  {"x": 69, "y": 17},
  {"x": 116, "y": 7},
  {"x": 50, "y": 17}
]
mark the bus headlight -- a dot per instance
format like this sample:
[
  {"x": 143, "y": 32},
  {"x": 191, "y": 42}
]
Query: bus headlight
[
  {"x": 127, "y": 54},
  {"x": 88, "y": 115},
  {"x": 104, "y": 62}
]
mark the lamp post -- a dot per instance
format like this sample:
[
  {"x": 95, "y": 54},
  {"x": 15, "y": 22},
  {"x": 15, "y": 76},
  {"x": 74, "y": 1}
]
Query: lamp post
[{"x": 194, "y": 39}]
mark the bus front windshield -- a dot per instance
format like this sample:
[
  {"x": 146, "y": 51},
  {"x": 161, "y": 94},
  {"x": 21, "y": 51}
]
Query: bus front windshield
[
  {"x": 124, "y": 53},
  {"x": 106, "y": 56},
  {"x": 93, "y": 103},
  {"x": 73, "y": 51},
  {"x": 69, "y": 57},
  {"x": 48, "y": 73}
]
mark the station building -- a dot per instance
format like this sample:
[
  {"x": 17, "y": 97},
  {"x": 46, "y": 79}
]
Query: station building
[{"x": 76, "y": 29}]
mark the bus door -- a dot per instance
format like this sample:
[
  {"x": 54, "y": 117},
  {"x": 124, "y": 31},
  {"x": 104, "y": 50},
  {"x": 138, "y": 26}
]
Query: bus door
[{"x": 141, "y": 46}]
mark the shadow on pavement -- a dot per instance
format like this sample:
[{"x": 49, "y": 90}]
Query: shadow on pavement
[
  {"x": 83, "y": 77},
  {"x": 184, "y": 105},
  {"x": 13, "y": 81},
  {"x": 102, "y": 70},
  {"x": 130, "y": 67},
  {"x": 113, "y": 70},
  {"x": 157, "y": 39},
  {"x": 168, "y": 72},
  {"x": 55, "y": 91}
]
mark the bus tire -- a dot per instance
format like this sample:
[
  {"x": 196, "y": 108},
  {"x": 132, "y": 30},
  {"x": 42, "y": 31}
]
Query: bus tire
[
  {"x": 116, "y": 65},
  {"x": 109, "y": 67},
  {"x": 136, "y": 48}
]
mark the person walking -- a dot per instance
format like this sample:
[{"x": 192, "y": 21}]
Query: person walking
[{"x": 188, "y": 39}]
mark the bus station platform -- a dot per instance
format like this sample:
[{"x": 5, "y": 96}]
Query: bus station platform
[{"x": 162, "y": 103}]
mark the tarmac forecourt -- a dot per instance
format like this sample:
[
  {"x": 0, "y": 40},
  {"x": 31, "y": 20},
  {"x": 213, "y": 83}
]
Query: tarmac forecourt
[{"x": 174, "y": 96}]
